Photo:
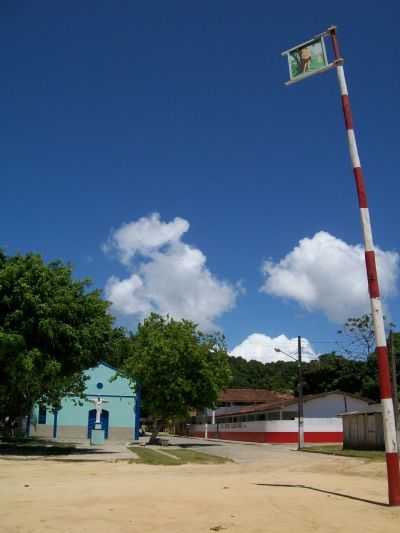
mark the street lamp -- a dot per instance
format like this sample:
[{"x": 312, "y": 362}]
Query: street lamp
[{"x": 300, "y": 410}]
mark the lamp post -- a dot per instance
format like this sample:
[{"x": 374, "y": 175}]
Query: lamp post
[{"x": 300, "y": 399}]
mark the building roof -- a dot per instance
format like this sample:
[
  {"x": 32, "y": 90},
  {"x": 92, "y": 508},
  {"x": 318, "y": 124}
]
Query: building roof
[
  {"x": 279, "y": 404},
  {"x": 251, "y": 395},
  {"x": 106, "y": 364},
  {"x": 369, "y": 409},
  {"x": 103, "y": 380}
]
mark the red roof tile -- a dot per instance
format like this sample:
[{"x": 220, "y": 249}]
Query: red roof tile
[{"x": 252, "y": 395}]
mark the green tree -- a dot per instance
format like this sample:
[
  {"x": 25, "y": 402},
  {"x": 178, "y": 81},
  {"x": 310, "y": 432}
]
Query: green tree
[
  {"x": 179, "y": 368},
  {"x": 118, "y": 348},
  {"x": 359, "y": 337},
  {"x": 396, "y": 343},
  {"x": 370, "y": 382},
  {"x": 334, "y": 372},
  {"x": 51, "y": 328},
  {"x": 329, "y": 372},
  {"x": 278, "y": 376}
]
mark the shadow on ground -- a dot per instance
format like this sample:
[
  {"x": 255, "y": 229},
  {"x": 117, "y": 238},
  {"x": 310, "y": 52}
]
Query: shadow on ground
[
  {"x": 197, "y": 445},
  {"x": 331, "y": 493},
  {"x": 45, "y": 448}
]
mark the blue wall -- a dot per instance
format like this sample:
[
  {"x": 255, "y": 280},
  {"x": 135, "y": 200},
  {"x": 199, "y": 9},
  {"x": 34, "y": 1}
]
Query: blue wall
[{"x": 123, "y": 402}]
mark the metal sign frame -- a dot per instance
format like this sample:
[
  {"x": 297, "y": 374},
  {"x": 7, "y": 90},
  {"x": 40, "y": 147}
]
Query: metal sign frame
[{"x": 317, "y": 39}]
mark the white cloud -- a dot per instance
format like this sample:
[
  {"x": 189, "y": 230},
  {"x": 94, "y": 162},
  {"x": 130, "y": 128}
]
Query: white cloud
[
  {"x": 261, "y": 348},
  {"x": 144, "y": 236},
  {"x": 128, "y": 295},
  {"x": 170, "y": 277},
  {"x": 326, "y": 274}
]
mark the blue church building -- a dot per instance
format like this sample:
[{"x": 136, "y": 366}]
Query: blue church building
[{"x": 120, "y": 417}]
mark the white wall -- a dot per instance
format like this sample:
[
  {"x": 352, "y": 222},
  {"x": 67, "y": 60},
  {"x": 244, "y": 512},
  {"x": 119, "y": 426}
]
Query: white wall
[
  {"x": 279, "y": 426},
  {"x": 331, "y": 405}
]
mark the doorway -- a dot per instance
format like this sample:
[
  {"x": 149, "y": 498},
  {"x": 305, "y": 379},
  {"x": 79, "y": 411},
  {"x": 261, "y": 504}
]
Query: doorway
[{"x": 103, "y": 420}]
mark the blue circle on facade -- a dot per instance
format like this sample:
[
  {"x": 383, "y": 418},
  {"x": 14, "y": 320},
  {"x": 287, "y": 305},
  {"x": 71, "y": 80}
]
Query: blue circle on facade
[{"x": 99, "y": 385}]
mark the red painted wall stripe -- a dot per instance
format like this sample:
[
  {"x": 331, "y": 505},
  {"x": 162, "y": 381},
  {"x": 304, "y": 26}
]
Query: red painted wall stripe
[
  {"x": 309, "y": 437},
  {"x": 372, "y": 275},
  {"x": 348, "y": 119},
  {"x": 274, "y": 437},
  {"x": 361, "y": 193},
  {"x": 383, "y": 366}
]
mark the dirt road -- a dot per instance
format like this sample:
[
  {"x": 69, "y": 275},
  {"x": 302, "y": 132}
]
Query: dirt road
[{"x": 254, "y": 497}]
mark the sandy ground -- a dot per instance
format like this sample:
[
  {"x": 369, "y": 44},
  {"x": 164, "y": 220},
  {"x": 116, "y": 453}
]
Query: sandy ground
[{"x": 254, "y": 496}]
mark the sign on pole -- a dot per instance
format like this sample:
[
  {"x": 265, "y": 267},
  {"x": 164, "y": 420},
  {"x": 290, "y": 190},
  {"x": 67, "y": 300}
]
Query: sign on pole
[
  {"x": 307, "y": 59},
  {"x": 304, "y": 60}
]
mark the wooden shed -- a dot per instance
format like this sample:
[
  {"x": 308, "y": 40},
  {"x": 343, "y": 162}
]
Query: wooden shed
[{"x": 363, "y": 430}]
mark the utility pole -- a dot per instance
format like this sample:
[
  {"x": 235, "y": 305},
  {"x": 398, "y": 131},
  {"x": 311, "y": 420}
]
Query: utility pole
[
  {"x": 393, "y": 354},
  {"x": 206, "y": 424},
  {"x": 302, "y": 55},
  {"x": 389, "y": 428},
  {"x": 300, "y": 399},
  {"x": 300, "y": 396}
]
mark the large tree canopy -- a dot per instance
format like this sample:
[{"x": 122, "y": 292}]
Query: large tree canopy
[
  {"x": 179, "y": 368},
  {"x": 354, "y": 372},
  {"x": 278, "y": 376},
  {"x": 328, "y": 372},
  {"x": 51, "y": 328}
]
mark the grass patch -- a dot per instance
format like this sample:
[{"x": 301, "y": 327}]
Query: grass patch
[
  {"x": 152, "y": 457},
  {"x": 182, "y": 456},
  {"x": 372, "y": 455},
  {"x": 192, "y": 456}
]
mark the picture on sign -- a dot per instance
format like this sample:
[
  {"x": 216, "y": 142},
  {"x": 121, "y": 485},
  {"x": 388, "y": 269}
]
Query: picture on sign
[{"x": 307, "y": 59}]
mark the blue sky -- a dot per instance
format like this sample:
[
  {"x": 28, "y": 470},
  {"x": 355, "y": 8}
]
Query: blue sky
[{"x": 114, "y": 111}]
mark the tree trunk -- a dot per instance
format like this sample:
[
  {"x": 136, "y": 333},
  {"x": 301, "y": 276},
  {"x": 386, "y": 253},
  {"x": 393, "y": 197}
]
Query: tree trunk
[
  {"x": 9, "y": 427},
  {"x": 154, "y": 432}
]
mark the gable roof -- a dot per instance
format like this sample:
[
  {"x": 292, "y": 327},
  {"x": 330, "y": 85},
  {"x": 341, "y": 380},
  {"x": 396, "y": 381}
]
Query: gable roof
[
  {"x": 280, "y": 403},
  {"x": 373, "y": 408},
  {"x": 103, "y": 380},
  {"x": 107, "y": 365}
]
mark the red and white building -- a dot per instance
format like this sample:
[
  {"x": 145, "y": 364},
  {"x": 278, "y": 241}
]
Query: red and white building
[{"x": 276, "y": 422}]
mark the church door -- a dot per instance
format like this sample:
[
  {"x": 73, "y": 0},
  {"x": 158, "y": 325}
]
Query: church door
[{"x": 103, "y": 420}]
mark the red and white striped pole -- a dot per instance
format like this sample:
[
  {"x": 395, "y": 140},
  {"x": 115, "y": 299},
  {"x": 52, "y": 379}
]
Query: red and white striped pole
[{"x": 392, "y": 461}]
